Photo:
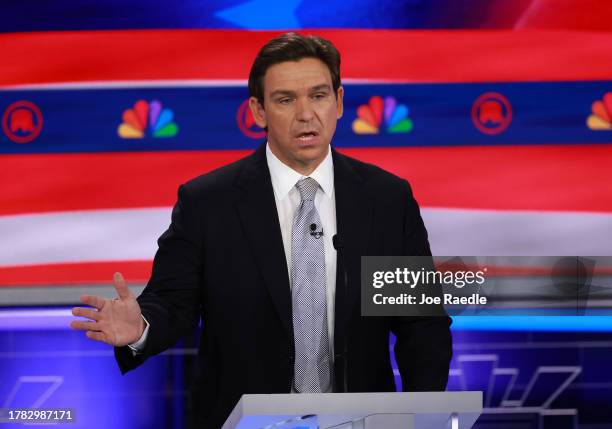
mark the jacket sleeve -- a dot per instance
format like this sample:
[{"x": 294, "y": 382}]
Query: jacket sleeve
[
  {"x": 423, "y": 347},
  {"x": 171, "y": 300}
]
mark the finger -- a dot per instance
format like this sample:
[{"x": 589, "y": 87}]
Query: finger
[
  {"x": 121, "y": 286},
  {"x": 94, "y": 301},
  {"x": 85, "y": 326},
  {"x": 98, "y": 336},
  {"x": 86, "y": 312}
]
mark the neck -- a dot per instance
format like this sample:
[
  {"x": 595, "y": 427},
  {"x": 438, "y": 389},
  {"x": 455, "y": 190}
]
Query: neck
[{"x": 304, "y": 168}]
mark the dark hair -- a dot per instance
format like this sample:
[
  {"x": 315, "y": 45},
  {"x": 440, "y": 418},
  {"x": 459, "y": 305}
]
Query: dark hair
[{"x": 293, "y": 47}]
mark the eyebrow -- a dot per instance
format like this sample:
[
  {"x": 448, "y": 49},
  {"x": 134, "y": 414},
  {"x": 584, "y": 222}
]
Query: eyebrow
[
  {"x": 286, "y": 92},
  {"x": 319, "y": 87}
]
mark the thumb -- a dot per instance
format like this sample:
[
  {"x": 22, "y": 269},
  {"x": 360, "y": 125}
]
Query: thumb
[{"x": 121, "y": 286}]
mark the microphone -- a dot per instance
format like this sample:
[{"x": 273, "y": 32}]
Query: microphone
[
  {"x": 339, "y": 246},
  {"x": 314, "y": 232}
]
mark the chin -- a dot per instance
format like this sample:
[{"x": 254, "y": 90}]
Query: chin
[{"x": 313, "y": 151}]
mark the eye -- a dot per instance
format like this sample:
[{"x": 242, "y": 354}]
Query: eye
[
  {"x": 284, "y": 100},
  {"x": 319, "y": 96}
]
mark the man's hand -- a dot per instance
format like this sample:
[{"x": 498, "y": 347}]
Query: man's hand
[{"x": 117, "y": 322}]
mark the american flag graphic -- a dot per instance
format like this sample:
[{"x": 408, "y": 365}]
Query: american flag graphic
[{"x": 522, "y": 171}]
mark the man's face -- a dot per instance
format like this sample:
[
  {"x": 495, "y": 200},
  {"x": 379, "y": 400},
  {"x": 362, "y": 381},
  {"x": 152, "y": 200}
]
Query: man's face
[{"x": 300, "y": 110}]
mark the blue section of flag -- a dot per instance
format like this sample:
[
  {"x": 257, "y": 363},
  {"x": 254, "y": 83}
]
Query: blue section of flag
[
  {"x": 251, "y": 14},
  {"x": 61, "y": 15},
  {"x": 88, "y": 120}
]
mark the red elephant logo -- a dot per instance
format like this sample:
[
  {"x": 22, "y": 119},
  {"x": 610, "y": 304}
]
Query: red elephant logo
[
  {"x": 491, "y": 113},
  {"x": 22, "y": 121},
  {"x": 246, "y": 122}
]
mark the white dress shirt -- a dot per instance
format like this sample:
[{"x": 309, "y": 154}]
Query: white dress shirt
[{"x": 287, "y": 198}]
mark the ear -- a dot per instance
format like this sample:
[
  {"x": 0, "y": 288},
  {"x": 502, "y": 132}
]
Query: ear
[
  {"x": 340, "y": 102},
  {"x": 259, "y": 114}
]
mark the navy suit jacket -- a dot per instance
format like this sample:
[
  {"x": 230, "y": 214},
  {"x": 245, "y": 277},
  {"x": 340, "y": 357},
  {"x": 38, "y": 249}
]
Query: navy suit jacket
[{"x": 222, "y": 261}]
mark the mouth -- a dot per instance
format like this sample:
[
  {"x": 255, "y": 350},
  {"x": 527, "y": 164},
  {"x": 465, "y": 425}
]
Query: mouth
[{"x": 307, "y": 136}]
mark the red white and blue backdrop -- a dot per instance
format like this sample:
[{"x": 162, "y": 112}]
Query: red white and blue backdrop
[{"x": 498, "y": 113}]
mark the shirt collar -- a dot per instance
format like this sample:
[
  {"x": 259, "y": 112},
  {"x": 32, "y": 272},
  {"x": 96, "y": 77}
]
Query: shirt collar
[{"x": 284, "y": 177}]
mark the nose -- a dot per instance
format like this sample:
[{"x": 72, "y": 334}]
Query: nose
[{"x": 304, "y": 110}]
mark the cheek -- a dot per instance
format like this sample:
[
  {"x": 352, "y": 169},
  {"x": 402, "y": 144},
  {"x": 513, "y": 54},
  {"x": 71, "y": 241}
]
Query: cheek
[
  {"x": 330, "y": 117},
  {"x": 279, "y": 123}
]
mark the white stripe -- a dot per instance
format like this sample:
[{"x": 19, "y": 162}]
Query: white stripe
[
  {"x": 120, "y": 84},
  {"x": 81, "y": 236},
  {"x": 518, "y": 233},
  {"x": 161, "y": 83},
  {"x": 131, "y": 234}
]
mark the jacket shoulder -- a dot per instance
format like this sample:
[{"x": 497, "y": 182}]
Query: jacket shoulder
[{"x": 218, "y": 180}]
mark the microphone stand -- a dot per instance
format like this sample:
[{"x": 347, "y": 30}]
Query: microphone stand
[{"x": 339, "y": 246}]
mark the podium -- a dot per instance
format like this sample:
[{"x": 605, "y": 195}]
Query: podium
[{"x": 386, "y": 410}]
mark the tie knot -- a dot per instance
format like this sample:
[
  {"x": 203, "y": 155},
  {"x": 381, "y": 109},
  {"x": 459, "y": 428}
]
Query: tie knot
[{"x": 308, "y": 188}]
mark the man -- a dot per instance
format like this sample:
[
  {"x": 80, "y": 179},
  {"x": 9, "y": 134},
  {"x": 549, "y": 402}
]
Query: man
[{"x": 250, "y": 252}]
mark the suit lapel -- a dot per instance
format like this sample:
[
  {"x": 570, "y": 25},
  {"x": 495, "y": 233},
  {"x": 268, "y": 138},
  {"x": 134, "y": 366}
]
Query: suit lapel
[
  {"x": 353, "y": 219},
  {"x": 259, "y": 217}
]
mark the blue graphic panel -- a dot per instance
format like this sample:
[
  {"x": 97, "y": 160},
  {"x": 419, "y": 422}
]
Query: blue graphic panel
[
  {"x": 525, "y": 381},
  {"x": 384, "y": 115},
  {"x": 51, "y": 367},
  {"x": 33, "y": 15}
]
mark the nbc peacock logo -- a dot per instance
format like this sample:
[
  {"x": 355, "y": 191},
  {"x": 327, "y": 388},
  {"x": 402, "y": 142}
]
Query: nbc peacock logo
[
  {"x": 147, "y": 119},
  {"x": 601, "y": 117},
  {"x": 371, "y": 116}
]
